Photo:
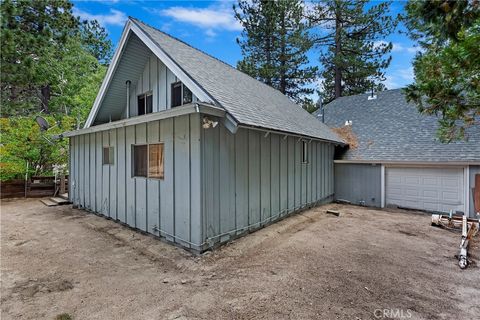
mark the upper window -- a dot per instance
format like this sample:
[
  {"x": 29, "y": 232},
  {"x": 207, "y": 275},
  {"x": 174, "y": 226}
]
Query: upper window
[
  {"x": 148, "y": 161},
  {"x": 304, "y": 151},
  {"x": 108, "y": 155},
  {"x": 145, "y": 103},
  {"x": 180, "y": 94}
]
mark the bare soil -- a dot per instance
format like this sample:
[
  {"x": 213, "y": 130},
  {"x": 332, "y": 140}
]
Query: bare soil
[{"x": 312, "y": 265}]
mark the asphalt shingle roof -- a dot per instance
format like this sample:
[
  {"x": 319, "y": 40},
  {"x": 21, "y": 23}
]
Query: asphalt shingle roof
[
  {"x": 390, "y": 129},
  {"x": 247, "y": 100}
]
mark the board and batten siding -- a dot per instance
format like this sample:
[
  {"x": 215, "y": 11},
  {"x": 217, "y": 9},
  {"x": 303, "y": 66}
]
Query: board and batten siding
[
  {"x": 253, "y": 178},
  {"x": 169, "y": 207},
  {"x": 358, "y": 183},
  {"x": 157, "y": 79}
]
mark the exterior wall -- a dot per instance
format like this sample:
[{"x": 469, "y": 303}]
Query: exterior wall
[
  {"x": 358, "y": 183},
  {"x": 172, "y": 205},
  {"x": 251, "y": 178},
  {"x": 158, "y": 79},
  {"x": 473, "y": 171}
]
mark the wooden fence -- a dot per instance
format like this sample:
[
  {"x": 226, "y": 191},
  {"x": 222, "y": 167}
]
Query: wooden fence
[{"x": 34, "y": 187}]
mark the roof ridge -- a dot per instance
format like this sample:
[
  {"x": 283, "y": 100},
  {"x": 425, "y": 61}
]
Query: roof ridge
[{"x": 209, "y": 55}]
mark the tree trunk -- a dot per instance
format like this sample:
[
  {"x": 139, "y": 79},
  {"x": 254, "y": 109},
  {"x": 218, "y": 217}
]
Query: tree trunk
[
  {"x": 45, "y": 98},
  {"x": 337, "y": 68},
  {"x": 283, "y": 58}
]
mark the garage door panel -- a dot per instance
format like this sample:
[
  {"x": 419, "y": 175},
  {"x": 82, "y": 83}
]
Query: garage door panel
[
  {"x": 433, "y": 189},
  {"x": 430, "y": 194},
  {"x": 429, "y": 181},
  {"x": 412, "y": 181}
]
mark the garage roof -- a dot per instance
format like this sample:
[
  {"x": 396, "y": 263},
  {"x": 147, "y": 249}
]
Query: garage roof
[{"x": 390, "y": 129}]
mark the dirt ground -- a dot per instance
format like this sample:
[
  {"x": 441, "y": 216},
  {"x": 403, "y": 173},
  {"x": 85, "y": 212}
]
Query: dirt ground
[{"x": 309, "y": 266}]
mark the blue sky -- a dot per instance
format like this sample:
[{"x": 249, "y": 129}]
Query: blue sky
[{"x": 210, "y": 26}]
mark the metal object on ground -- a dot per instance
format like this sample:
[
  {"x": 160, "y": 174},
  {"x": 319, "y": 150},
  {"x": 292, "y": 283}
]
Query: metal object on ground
[{"x": 469, "y": 229}]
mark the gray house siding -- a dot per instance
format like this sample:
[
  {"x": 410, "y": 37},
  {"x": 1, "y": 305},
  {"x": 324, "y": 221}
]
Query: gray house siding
[
  {"x": 253, "y": 178},
  {"x": 217, "y": 185},
  {"x": 473, "y": 171},
  {"x": 358, "y": 183},
  {"x": 171, "y": 205}
]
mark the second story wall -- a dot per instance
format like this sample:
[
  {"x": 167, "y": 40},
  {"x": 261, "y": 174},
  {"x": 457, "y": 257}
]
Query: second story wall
[{"x": 157, "y": 79}]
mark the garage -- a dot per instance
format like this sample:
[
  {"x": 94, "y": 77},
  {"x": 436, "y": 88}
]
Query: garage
[{"x": 432, "y": 189}]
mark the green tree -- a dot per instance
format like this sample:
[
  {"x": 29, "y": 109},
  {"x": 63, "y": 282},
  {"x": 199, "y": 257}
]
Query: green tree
[
  {"x": 447, "y": 72},
  {"x": 22, "y": 141},
  {"x": 51, "y": 64},
  {"x": 353, "y": 54},
  {"x": 36, "y": 36},
  {"x": 274, "y": 45}
]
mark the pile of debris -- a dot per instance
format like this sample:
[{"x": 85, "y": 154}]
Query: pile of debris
[{"x": 468, "y": 226}]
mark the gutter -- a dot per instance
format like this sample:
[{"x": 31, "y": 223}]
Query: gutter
[
  {"x": 410, "y": 163},
  {"x": 196, "y": 107}
]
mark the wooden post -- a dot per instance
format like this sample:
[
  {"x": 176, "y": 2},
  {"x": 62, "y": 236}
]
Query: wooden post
[{"x": 62, "y": 183}]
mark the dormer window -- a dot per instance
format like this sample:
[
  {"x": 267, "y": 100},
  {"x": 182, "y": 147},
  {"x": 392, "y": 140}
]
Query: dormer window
[
  {"x": 180, "y": 94},
  {"x": 145, "y": 103}
]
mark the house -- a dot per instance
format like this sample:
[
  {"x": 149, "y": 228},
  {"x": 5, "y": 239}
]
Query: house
[
  {"x": 182, "y": 146},
  {"x": 398, "y": 159}
]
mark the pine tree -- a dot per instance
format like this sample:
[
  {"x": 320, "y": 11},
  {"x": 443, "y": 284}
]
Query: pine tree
[
  {"x": 353, "y": 53},
  {"x": 274, "y": 45},
  {"x": 447, "y": 76},
  {"x": 36, "y": 39}
]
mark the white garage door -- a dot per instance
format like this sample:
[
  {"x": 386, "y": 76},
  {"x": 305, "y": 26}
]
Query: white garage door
[{"x": 433, "y": 189}]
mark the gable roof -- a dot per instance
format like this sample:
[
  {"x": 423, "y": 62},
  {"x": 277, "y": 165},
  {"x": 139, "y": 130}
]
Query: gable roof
[
  {"x": 390, "y": 129},
  {"x": 247, "y": 101}
]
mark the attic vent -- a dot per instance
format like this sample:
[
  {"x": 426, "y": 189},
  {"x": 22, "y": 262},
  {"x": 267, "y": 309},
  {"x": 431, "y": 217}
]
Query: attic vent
[
  {"x": 348, "y": 122},
  {"x": 372, "y": 97}
]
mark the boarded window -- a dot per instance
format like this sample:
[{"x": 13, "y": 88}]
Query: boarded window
[
  {"x": 108, "y": 155},
  {"x": 180, "y": 94},
  {"x": 155, "y": 161},
  {"x": 148, "y": 161},
  {"x": 144, "y": 103},
  {"x": 304, "y": 152}
]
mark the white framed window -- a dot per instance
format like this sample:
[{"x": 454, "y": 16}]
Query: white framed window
[
  {"x": 145, "y": 103},
  {"x": 108, "y": 155},
  {"x": 180, "y": 94},
  {"x": 148, "y": 160}
]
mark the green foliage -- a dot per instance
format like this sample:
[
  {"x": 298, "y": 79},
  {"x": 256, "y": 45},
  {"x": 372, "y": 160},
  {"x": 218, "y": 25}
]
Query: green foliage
[
  {"x": 447, "y": 73},
  {"x": 274, "y": 45},
  {"x": 22, "y": 141},
  {"x": 52, "y": 64},
  {"x": 350, "y": 38}
]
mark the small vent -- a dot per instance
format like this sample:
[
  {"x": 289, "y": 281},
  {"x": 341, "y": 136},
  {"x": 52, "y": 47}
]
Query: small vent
[{"x": 372, "y": 97}]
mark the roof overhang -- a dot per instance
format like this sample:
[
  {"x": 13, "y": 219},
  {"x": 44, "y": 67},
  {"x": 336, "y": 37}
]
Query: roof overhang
[
  {"x": 129, "y": 28},
  {"x": 169, "y": 113},
  {"x": 410, "y": 163}
]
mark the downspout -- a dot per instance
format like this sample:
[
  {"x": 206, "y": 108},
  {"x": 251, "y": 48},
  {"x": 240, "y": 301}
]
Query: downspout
[{"x": 128, "y": 82}]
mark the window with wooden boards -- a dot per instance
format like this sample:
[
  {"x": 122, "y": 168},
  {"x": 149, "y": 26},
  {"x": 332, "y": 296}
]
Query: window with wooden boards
[{"x": 148, "y": 160}]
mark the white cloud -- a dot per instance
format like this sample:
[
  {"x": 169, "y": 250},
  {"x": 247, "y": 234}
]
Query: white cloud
[
  {"x": 113, "y": 18},
  {"x": 397, "y": 47},
  {"x": 210, "y": 19},
  {"x": 399, "y": 78}
]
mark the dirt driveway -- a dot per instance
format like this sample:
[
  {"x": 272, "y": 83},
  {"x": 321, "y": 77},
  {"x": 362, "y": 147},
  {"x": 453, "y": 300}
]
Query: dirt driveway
[{"x": 309, "y": 266}]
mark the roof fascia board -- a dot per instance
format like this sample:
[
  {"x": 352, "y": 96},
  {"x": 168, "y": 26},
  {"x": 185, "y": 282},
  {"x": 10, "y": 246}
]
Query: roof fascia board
[
  {"x": 230, "y": 123},
  {"x": 410, "y": 163},
  {"x": 170, "y": 113},
  {"x": 284, "y": 133},
  {"x": 108, "y": 77},
  {"x": 171, "y": 64}
]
